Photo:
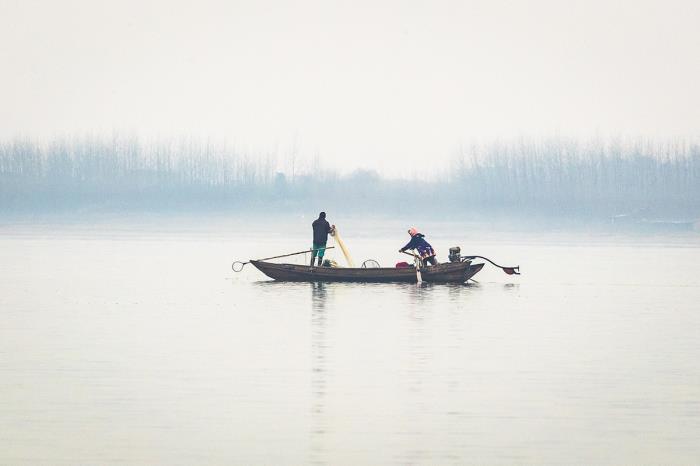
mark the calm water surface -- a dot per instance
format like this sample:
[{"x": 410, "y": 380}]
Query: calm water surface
[{"x": 127, "y": 343}]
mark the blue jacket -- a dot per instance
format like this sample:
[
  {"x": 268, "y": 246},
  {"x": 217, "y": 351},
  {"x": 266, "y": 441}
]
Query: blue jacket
[{"x": 417, "y": 242}]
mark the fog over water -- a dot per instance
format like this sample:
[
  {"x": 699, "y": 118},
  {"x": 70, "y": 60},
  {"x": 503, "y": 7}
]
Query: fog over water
[{"x": 146, "y": 145}]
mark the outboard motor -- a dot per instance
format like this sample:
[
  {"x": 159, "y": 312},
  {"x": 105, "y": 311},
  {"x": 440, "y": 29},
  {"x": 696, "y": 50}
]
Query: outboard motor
[{"x": 455, "y": 254}]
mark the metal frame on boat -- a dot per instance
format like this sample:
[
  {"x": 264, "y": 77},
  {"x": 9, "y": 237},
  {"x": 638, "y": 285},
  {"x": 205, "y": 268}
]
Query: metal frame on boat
[{"x": 449, "y": 272}]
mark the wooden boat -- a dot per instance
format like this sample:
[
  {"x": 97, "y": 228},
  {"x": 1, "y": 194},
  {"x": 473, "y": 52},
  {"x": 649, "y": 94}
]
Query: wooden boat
[{"x": 449, "y": 272}]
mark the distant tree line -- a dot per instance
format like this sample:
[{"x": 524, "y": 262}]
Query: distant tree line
[
  {"x": 553, "y": 177},
  {"x": 584, "y": 178}
]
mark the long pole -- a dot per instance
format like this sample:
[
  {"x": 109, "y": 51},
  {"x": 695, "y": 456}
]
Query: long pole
[
  {"x": 238, "y": 269},
  {"x": 508, "y": 270},
  {"x": 416, "y": 262}
]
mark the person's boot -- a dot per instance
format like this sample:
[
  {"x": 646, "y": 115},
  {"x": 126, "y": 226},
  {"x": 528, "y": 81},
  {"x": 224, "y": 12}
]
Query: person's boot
[
  {"x": 320, "y": 261},
  {"x": 312, "y": 261}
]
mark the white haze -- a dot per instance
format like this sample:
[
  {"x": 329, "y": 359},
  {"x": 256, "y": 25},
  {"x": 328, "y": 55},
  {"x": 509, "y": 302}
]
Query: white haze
[{"x": 390, "y": 85}]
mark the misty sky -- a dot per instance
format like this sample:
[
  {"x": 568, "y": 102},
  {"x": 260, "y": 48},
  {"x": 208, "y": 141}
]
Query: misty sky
[{"x": 392, "y": 85}]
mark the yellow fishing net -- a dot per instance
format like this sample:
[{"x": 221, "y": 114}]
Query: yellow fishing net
[{"x": 339, "y": 242}]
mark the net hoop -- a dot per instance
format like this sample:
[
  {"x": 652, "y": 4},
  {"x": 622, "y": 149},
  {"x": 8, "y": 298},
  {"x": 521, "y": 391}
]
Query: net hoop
[{"x": 237, "y": 266}]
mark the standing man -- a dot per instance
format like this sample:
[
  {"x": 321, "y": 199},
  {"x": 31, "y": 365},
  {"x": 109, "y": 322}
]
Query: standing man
[{"x": 321, "y": 229}]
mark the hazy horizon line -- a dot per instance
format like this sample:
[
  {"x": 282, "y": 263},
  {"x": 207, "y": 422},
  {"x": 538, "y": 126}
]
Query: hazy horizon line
[{"x": 555, "y": 177}]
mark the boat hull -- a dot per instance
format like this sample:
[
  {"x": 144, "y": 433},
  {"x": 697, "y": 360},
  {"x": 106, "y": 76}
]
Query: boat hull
[{"x": 450, "y": 272}]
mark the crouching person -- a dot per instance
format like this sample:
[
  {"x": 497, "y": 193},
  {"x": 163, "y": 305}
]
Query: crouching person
[{"x": 418, "y": 242}]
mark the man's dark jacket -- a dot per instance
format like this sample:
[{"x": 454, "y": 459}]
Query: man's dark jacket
[{"x": 321, "y": 230}]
